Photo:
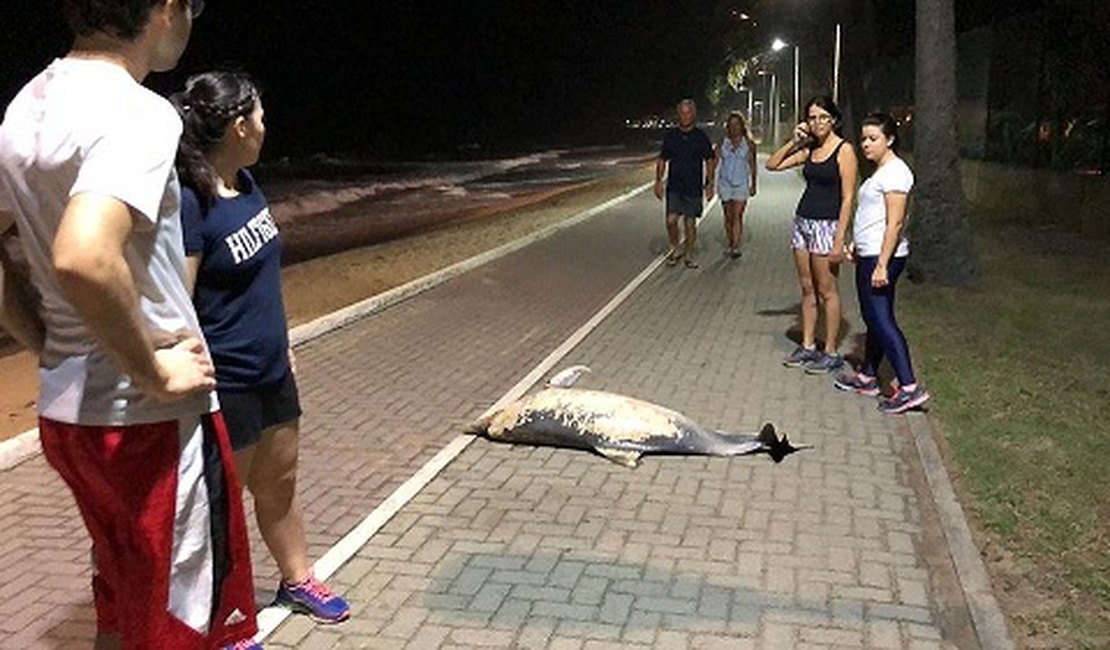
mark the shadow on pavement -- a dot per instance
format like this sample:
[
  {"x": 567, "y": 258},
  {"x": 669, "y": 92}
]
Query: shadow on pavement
[{"x": 591, "y": 594}]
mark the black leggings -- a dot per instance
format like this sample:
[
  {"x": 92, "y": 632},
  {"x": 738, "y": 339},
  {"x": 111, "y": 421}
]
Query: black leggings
[{"x": 884, "y": 337}]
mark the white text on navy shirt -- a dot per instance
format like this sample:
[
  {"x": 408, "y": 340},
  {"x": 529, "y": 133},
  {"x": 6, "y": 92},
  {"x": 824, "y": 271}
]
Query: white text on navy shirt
[{"x": 249, "y": 239}]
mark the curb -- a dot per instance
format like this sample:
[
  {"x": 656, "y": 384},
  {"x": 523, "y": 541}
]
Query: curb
[
  {"x": 971, "y": 572},
  {"x": 26, "y": 445},
  {"x": 18, "y": 449}
]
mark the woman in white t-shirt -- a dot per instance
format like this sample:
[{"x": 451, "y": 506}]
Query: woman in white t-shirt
[{"x": 880, "y": 249}]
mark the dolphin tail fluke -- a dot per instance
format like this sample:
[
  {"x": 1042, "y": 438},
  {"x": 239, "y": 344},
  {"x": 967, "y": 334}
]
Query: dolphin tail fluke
[{"x": 778, "y": 448}]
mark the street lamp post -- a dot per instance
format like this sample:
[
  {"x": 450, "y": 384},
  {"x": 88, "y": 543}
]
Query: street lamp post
[
  {"x": 772, "y": 104},
  {"x": 797, "y": 86},
  {"x": 749, "y": 116},
  {"x": 778, "y": 45}
]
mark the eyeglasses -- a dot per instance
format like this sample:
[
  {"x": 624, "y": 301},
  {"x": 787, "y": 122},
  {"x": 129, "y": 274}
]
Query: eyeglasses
[
  {"x": 824, "y": 118},
  {"x": 196, "y": 8}
]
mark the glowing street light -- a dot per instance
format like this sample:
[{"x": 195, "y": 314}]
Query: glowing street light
[{"x": 778, "y": 45}]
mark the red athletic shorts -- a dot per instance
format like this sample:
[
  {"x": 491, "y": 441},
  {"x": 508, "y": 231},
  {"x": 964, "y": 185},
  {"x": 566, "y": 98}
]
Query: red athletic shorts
[{"x": 162, "y": 504}]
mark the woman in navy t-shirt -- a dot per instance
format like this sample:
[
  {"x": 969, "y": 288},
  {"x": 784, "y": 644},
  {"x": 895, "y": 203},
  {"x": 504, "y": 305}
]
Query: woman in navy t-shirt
[{"x": 234, "y": 263}]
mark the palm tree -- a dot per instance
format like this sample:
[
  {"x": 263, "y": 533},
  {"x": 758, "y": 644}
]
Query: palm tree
[{"x": 944, "y": 250}]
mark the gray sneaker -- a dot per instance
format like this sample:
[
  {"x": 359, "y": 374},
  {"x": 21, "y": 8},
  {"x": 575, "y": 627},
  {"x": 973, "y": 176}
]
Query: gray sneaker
[
  {"x": 800, "y": 357},
  {"x": 855, "y": 383},
  {"x": 902, "y": 401},
  {"x": 824, "y": 364}
]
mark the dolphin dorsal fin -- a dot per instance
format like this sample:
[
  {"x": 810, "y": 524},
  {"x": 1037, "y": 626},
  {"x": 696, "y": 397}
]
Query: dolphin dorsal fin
[
  {"x": 566, "y": 378},
  {"x": 767, "y": 435}
]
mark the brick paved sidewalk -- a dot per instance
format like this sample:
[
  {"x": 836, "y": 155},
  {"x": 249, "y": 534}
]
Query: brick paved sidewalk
[{"x": 521, "y": 547}]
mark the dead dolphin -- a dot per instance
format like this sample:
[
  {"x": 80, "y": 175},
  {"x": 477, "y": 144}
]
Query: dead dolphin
[{"x": 618, "y": 427}]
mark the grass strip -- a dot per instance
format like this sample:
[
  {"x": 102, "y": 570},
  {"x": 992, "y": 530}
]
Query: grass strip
[{"x": 1020, "y": 370}]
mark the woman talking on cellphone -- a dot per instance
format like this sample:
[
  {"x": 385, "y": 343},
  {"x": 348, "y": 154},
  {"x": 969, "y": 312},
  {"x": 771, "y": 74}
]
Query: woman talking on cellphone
[{"x": 820, "y": 226}]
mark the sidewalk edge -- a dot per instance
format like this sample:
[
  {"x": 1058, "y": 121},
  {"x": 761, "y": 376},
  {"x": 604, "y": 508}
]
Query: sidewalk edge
[
  {"x": 986, "y": 615},
  {"x": 18, "y": 449}
]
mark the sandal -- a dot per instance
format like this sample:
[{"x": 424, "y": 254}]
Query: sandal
[
  {"x": 672, "y": 259},
  {"x": 691, "y": 264}
]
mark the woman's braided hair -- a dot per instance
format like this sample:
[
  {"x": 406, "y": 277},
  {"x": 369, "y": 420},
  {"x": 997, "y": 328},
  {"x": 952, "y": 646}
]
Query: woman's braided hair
[{"x": 210, "y": 103}]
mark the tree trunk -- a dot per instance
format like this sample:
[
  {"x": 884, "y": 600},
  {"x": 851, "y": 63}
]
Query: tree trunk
[{"x": 943, "y": 248}]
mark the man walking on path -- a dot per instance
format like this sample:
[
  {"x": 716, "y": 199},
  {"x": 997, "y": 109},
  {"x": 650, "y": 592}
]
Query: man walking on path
[
  {"x": 688, "y": 162},
  {"x": 127, "y": 413}
]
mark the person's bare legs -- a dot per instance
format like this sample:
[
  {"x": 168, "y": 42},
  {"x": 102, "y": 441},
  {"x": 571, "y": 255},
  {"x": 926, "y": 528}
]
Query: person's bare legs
[
  {"x": 734, "y": 224},
  {"x": 691, "y": 224},
  {"x": 809, "y": 297},
  {"x": 269, "y": 470},
  {"x": 738, "y": 208},
  {"x": 825, "y": 274},
  {"x": 730, "y": 225},
  {"x": 672, "y": 236}
]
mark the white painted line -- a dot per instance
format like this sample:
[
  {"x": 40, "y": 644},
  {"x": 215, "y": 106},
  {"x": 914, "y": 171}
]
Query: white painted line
[
  {"x": 271, "y": 617},
  {"x": 26, "y": 445},
  {"x": 986, "y": 615}
]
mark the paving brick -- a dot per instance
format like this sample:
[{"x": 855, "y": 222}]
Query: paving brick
[
  {"x": 483, "y": 638},
  {"x": 884, "y": 634},
  {"x": 900, "y": 613},
  {"x": 428, "y": 637},
  {"x": 564, "y": 611},
  {"x": 588, "y": 630},
  {"x": 721, "y": 642}
]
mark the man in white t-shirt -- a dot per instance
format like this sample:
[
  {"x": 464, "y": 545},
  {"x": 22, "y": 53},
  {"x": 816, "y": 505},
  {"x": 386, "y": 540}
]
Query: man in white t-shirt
[{"x": 128, "y": 416}]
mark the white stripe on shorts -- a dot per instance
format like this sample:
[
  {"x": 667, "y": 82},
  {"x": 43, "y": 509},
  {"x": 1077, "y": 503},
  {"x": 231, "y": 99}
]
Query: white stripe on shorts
[{"x": 191, "y": 588}]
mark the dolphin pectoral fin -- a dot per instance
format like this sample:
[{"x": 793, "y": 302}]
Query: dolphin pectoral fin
[
  {"x": 567, "y": 377},
  {"x": 629, "y": 459}
]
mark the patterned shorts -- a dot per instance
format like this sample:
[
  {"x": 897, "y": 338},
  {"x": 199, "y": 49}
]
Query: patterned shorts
[{"x": 813, "y": 235}]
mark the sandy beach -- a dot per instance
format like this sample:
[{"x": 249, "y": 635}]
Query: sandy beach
[{"x": 322, "y": 284}]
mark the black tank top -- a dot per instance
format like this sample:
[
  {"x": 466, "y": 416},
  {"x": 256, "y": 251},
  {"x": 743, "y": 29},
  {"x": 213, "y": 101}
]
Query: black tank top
[{"x": 821, "y": 199}]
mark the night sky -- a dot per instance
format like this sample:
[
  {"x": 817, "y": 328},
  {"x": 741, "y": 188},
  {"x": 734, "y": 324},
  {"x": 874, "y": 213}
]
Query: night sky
[{"x": 394, "y": 78}]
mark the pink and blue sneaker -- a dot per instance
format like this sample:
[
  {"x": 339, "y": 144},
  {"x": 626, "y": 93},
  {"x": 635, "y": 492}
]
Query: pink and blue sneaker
[{"x": 313, "y": 598}]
